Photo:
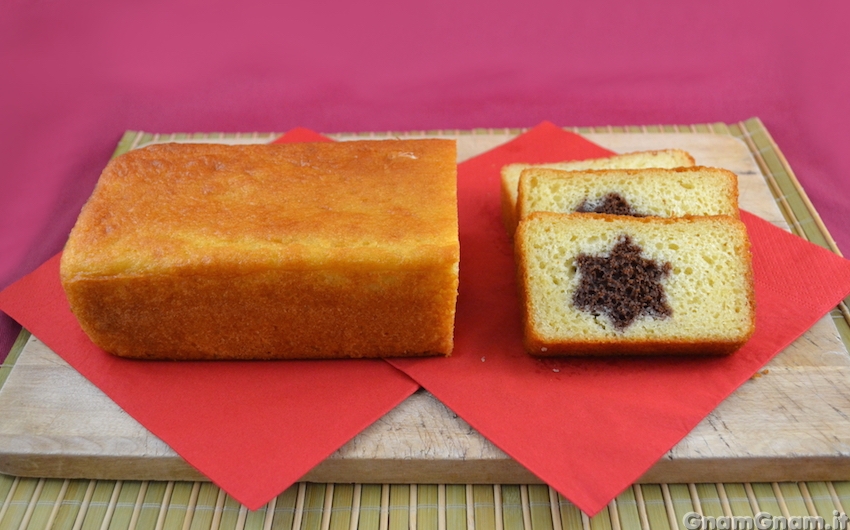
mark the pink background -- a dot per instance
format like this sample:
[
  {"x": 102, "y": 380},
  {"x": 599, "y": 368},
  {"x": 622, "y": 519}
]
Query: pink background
[{"x": 74, "y": 76}]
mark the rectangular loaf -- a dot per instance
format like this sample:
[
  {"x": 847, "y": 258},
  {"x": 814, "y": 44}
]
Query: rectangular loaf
[{"x": 281, "y": 251}]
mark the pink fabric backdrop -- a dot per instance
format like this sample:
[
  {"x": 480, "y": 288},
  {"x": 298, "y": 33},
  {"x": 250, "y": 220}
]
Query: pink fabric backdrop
[{"x": 76, "y": 75}]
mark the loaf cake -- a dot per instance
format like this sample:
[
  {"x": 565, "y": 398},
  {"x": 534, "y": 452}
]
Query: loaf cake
[
  {"x": 281, "y": 251},
  {"x": 593, "y": 284},
  {"x": 658, "y": 192},
  {"x": 510, "y": 174}
]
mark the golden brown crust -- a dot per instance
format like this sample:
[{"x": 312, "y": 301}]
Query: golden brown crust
[
  {"x": 537, "y": 347},
  {"x": 199, "y": 251}
]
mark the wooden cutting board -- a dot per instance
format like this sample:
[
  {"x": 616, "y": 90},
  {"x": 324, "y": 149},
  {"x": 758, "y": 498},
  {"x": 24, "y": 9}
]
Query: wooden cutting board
[{"x": 788, "y": 423}]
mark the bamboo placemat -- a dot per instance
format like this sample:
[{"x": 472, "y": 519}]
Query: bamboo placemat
[{"x": 34, "y": 503}]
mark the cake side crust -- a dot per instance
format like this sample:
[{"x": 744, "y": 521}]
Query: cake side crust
[{"x": 333, "y": 250}]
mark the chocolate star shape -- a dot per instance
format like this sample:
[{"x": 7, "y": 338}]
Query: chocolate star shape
[
  {"x": 623, "y": 285},
  {"x": 612, "y": 203}
]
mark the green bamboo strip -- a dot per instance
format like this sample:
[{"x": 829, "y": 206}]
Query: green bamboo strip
[
  {"x": 113, "y": 503},
  {"x": 314, "y": 502},
  {"x": 343, "y": 499},
  {"x": 641, "y": 506},
  {"x": 151, "y": 506},
  {"x": 31, "y": 504},
  {"x": 145, "y": 139},
  {"x": 42, "y": 506},
  {"x": 456, "y": 507},
  {"x": 842, "y": 493},
  {"x": 668, "y": 505},
  {"x": 254, "y": 518},
  {"x": 230, "y": 513},
  {"x": 680, "y": 500},
  {"x": 427, "y": 510},
  {"x": 484, "y": 505},
  {"x": 127, "y": 141},
  {"x": 12, "y": 357},
  {"x": 284, "y": 509},
  {"x": 399, "y": 507},
  {"x": 370, "y": 507},
  {"x": 735, "y": 129},
  {"x": 793, "y": 499},
  {"x": 838, "y": 504},
  {"x": 413, "y": 514},
  {"x": 602, "y": 520},
  {"x": 656, "y": 511},
  {"x": 627, "y": 510},
  {"x": 751, "y": 497},
  {"x": 70, "y": 504},
  {"x": 692, "y": 490},
  {"x": 178, "y": 505},
  {"x": 512, "y": 506},
  {"x": 7, "y": 484},
  {"x": 204, "y": 511},
  {"x": 125, "y": 504},
  {"x": 327, "y": 506},
  {"x": 821, "y": 499},
  {"x": 709, "y": 500},
  {"x": 766, "y": 497},
  {"x": 569, "y": 514},
  {"x": 739, "y": 503},
  {"x": 539, "y": 507},
  {"x": 17, "y": 503},
  {"x": 99, "y": 503},
  {"x": 720, "y": 128},
  {"x": 555, "y": 508}
]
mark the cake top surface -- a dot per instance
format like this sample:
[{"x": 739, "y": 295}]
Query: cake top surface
[{"x": 387, "y": 203}]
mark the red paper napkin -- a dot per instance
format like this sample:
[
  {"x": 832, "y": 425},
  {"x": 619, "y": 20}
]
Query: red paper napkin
[
  {"x": 591, "y": 427},
  {"x": 253, "y": 428}
]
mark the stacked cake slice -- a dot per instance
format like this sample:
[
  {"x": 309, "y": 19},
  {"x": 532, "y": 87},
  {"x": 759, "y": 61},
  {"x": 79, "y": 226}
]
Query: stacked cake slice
[
  {"x": 510, "y": 174},
  {"x": 632, "y": 261}
]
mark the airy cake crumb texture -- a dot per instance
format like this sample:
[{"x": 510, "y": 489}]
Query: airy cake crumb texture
[
  {"x": 708, "y": 288},
  {"x": 510, "y": 174}
]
